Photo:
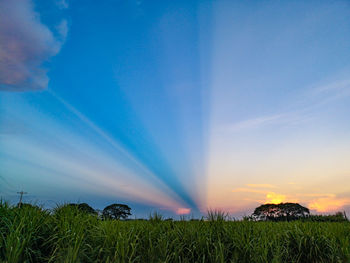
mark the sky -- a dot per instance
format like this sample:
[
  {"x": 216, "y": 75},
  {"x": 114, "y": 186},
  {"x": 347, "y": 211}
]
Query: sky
[{"x": 176, "y": 106}]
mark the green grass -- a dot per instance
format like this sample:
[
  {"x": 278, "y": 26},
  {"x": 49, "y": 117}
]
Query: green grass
[{"x": 32, "y": 234}]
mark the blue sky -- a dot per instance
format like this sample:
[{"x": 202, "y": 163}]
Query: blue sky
[{"x": 178, "y": 106}]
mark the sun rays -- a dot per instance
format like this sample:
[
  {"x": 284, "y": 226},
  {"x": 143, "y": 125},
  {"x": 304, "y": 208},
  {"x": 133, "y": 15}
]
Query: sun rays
[{"x": 219, "y": 105}]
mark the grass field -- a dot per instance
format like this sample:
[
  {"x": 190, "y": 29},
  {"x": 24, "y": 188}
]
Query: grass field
[{"x": 31, "y": 234}]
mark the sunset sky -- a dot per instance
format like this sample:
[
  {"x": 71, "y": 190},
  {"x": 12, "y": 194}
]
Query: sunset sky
[{"x": 176, "y": 106}]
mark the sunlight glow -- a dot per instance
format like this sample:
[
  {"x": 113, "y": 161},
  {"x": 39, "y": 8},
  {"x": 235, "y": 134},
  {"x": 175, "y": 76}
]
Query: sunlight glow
[
  {"x": 183, "y": 211},
  {"x": 329, "y": 204},
  {"x": 273, "y": 198},
  {"x": 183, "y": 107}
]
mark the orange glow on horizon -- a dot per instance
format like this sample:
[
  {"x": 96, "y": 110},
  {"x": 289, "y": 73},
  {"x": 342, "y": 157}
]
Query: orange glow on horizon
[
  {"x": 183, "y": 211},
  {"x": 273, "y": 198},
  {"x": 328, "y": 204},
  {"x": 246, "y": 197}
]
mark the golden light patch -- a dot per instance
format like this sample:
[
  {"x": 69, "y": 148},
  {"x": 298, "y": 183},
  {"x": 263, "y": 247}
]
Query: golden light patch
[
  {"x": 273, "y": 198},
  {"x": 328, "y": 204}
]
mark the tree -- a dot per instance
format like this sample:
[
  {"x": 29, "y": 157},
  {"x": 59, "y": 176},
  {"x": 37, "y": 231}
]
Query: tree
[
  {"x": 116, "y": 211},
  {"x": 85, "y": 208},
  {"x": 337, "y": 217},
  {"x": 279, "y": 212}
]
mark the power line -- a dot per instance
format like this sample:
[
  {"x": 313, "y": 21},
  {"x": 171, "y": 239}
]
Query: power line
[{"x": 20, "y": 198}]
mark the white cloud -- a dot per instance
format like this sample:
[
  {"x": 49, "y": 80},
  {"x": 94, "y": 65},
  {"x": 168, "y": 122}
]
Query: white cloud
[
  {"x": 25, "y": 44},
  {"x": 332, "y": 91},
  {"x": 62, "y": 4},
  {"x": 62, "y": 29},
  {"x": 334, "y": 86},
  {"x": 320, "y": 94},
  {"x": 254, "y": 123},
  {"x": 261, "y": 185},
  {"x": 316, "y": 96}
]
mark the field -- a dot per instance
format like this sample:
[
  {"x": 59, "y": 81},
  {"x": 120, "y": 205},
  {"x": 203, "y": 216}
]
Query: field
[{"x": 31, "y": 234}]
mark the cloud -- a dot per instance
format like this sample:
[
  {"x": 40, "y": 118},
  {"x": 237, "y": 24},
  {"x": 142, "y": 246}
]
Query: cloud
[
  {"x": 248, "y": 190},
  {"x": 288, "y": 118},
  {"x": 261, "y": 185},
  {"x": 332, "y": 91},
  {"x": 62, "y": 4},
  {"x": 25, "y": 44},
  {"x": 333, "y": 86},
  {"x": 62, "y": 29},
  {"x": 315, "y": 97},
  {"x": 255, "y": 122},
  {"x": 329, "y": 204}
]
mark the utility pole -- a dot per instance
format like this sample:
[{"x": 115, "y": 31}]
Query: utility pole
[{"x": 20, "y": 197}]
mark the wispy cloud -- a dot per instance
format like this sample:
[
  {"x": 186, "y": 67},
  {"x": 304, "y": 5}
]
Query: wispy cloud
[
  {"x": 261, "y": 185},
  {"x": 62, "y": 4},
  {"x": 291, "y": 118},
  {"x": 331, "y": 91},
  {"x": 62, "y": 29},
  {"x": 315, "y": 97},
  {"x": 248, "y": 190},
  {"x": 25, "y": 45},
  {"x": 254, "y": 122},
  {"x": 333, "y": 86}
]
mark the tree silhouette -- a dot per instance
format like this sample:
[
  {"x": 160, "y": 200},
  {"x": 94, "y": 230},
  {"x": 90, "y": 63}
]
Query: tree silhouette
[
  {"x": 116, "y": 211},
  {"x": 280, "y": 212},
  {"x": 84, "y": 207}
]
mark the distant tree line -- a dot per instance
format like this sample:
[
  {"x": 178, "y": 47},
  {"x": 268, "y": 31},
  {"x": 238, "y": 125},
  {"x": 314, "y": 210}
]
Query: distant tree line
[
  {"x": 113, "y": 211},
  {"x": 337, "y": 217},
  {"x": 291, "y": 212},
  {"x": 265, "y": 212}
]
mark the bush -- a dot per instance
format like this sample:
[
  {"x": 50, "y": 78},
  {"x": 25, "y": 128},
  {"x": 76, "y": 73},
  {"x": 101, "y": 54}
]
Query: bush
[{"x": 31, "y": 234}]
